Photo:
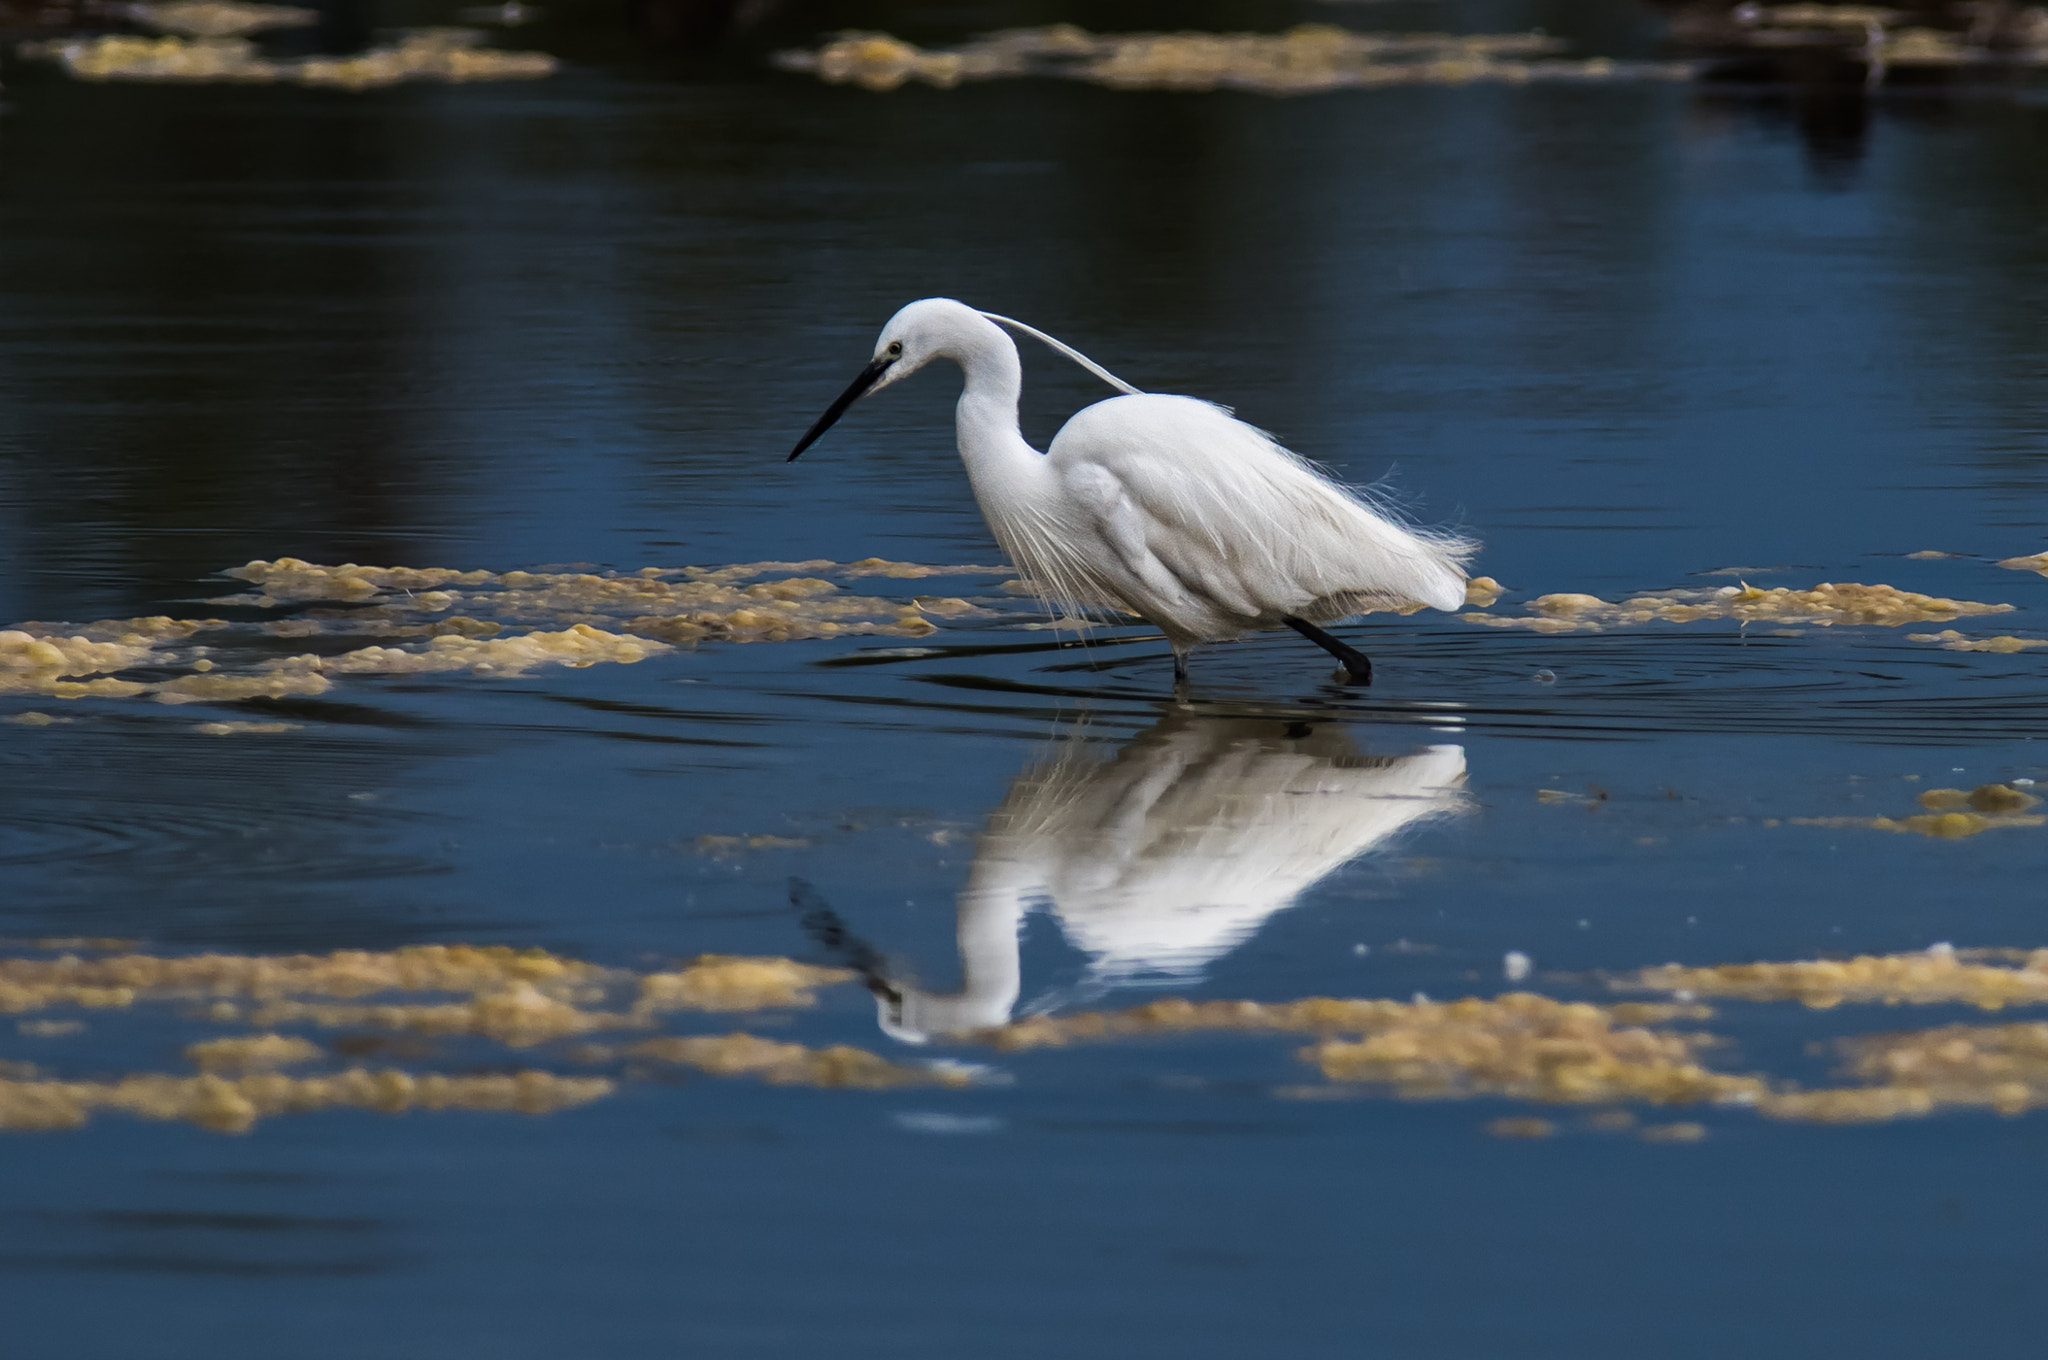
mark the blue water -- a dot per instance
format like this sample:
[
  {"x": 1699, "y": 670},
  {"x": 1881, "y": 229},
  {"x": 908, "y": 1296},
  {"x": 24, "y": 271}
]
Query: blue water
[{"x": 1625, "y": 335}]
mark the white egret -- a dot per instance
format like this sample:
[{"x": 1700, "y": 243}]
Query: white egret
[{"x": 1164, "y": 507}]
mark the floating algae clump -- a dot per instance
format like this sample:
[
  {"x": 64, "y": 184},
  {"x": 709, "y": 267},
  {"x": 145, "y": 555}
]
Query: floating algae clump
[
  {"x": 1482, "y": 592},
  {"x": 745, "y": 1055},
  {"x": 2002, "y": 1066},
  {"x": 299, "y": 676},
  {"x": 1531, "y": 1047},
  {"x": 219, "y": 19},
  {"x": 437, "y": 619},
  {"x": 21, "y": 651},
  {"x": 289, "y": 579},
  {"x": 518, "y": 1016},
  {"x": 1953, "y": 641},
  {"x": 1946, "y": 826},
  {"x": 1826, "y": 604},
  {"x": 449, "y": 55},
  {"x": 1316, "y": 57},
  {"x": 1997, "y": 1067},
  {"x": 428, "y": 54},
  {"x": 122, "y": 979},
  {"x": 902, "y": 571},
  {"x": 1936, "y": 976},
  {"x": 515, "y": 997},
  {"x": 1309, "y": 58},
  {"x": 37, "y": 658},
  {"x": 31, "y": 664},
  {"x": 723, "y": 982},
  {"x": 518, "y": 997},
  {"x": 1951, "y": 814},
  {"x": 684, "y": 605},
  {"x": 1312, "y": 1015},
  {"x": 253, "y": 1053},
  {"x": 120, "y": 56},
  {"x": 1826, "y": 16},
  {"x": 876, "y": 61},
  {"x": 1996, "y": 798},
  {"x": 2038, "y": 562},
  {"x": 236, "y": 1104},
  {"x": 1518, "y": 1045},
  {"x": 44, "y": 683},
  {"x": 577, "y": 645}
]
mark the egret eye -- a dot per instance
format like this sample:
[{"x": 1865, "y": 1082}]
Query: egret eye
[{"x": 895, "y": 347}]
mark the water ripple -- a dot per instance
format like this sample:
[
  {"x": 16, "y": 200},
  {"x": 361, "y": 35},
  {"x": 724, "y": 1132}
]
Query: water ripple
[{"x": 1622, "y": 685}]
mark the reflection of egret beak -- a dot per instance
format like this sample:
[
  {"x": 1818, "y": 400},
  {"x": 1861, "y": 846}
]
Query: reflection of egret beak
[
  {"x": 869, "y": 376},
  {"x": 822, "y": 924}
]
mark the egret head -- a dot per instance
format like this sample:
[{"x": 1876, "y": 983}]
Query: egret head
[{"x": 923, "y": 331}]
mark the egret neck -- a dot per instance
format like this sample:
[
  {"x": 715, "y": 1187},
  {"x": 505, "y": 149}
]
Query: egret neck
[{"x": 1004, "y": 470}]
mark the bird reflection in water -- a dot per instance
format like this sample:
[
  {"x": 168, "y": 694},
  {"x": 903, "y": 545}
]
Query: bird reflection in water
[{"x": 1161, "y": 858}]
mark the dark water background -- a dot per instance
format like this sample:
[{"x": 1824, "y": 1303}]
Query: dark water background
[{"x": 1624, "y": 334}]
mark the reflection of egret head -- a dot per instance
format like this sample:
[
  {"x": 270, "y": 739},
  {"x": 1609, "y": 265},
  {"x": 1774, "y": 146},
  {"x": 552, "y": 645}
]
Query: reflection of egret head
[
  {"x": 911, "y": 1016},
  {"x": 1173, "y": 851}
]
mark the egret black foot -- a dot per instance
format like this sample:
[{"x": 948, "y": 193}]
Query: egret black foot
[{"x": 1357, "y": 665}]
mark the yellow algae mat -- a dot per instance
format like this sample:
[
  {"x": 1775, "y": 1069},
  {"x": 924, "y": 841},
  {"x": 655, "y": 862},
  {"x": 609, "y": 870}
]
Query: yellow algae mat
[
  {"x": 437, "y": 619},
  {"x": 1315, "y": 58},
  {"x": 1951, "y": 814},
  {"x": 1829, "y": 604},
  {"x": 209, "y": 42},
  {"x": 1305, "y": 59},
  {"x": 399, "y": 1031},
  {"x": 440, "y": 619},
  {"x": 1824, "y": 605}
]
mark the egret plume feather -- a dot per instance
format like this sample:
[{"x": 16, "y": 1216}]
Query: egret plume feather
[{"x": 1076, "y": 355}]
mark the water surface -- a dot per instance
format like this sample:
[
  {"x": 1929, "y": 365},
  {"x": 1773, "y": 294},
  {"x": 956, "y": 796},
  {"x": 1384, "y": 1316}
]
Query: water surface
[{"x": 1627, "y": 335}]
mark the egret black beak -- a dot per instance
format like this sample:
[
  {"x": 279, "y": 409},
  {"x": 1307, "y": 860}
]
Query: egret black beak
[{"x": 869, "y": 376}]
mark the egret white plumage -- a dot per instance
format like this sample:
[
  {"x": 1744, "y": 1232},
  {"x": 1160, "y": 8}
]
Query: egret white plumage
[{"x": 1165, "y": 507}]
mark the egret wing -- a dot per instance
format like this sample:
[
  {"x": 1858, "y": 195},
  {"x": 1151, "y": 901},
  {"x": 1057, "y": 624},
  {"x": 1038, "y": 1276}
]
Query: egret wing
[{"x": 1232, "y": 519}]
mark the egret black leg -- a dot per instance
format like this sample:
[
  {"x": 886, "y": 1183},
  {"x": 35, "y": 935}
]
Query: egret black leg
[
  {"x": 1180, "y": 675},
  {"x": 1356, "y": 663}
]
